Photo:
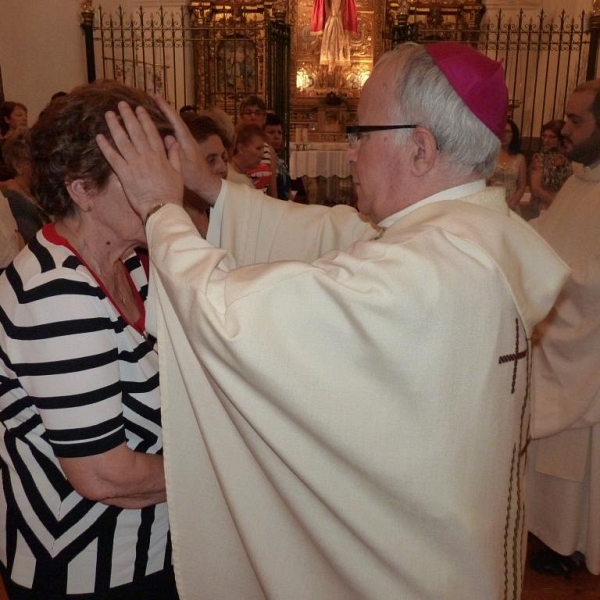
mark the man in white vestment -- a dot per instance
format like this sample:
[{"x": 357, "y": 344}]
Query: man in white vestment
[
  {"x": 564, "y": 478},
  {"x": 346, "y": 416}
]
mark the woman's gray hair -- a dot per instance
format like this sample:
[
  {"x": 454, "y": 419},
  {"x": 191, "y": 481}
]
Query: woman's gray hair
[{"x": 425, "y": 97}]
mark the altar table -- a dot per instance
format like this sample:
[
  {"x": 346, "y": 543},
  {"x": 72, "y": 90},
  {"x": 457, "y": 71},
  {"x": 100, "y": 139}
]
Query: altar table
[{"x": 325, "y": 171}]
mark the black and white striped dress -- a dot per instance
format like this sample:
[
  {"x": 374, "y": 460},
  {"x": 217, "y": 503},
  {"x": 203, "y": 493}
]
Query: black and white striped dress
[{"x": 75, "y": 380}]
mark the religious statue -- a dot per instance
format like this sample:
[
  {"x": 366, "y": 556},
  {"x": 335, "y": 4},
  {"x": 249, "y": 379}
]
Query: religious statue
[{"x": 334, "y": 19}]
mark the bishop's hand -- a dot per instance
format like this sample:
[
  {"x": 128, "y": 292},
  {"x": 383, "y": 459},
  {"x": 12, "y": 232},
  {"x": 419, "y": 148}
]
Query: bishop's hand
[{"x": 148, "y": 168}]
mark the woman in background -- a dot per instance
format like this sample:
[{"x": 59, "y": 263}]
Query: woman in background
[
  {"x": 83, "y": 507},
  {"x": 10, "y": 238},
  {"x": 28, "y": 213},
  {"x": 13, "y": 117},
  {"x": 247, "y": 153},
  {"x": 511, "y": 168},
  {"x": 549, "y": 168},
  {"x": 211, "y": 143}
]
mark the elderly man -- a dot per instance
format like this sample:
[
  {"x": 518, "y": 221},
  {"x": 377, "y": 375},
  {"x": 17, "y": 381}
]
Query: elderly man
[
  {"x": 565, "y": 474},
  {"x": 352, "y": 425}
]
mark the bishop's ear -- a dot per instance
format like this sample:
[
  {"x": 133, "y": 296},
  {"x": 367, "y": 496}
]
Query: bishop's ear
[{"x": 425, "y": 150}]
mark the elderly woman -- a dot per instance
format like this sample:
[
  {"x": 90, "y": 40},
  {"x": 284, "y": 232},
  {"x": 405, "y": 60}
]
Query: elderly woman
[
  {"x": 28, "y": 213},
  {"x": 212, "y": 151},
  {"x": 247, "y": 154},
  {"x": 84, "y": 504}
]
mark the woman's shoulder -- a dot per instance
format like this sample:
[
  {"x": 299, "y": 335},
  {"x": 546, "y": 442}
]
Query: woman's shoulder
[{"x": 44, "y": 261}]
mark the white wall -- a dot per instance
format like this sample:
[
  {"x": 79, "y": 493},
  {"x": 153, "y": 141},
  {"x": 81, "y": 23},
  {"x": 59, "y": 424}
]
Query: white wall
[{"x": 42, "y": 50}]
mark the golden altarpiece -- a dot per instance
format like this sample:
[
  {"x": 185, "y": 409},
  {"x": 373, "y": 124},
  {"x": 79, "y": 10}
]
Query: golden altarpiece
[{"x": 241, "y": 51}]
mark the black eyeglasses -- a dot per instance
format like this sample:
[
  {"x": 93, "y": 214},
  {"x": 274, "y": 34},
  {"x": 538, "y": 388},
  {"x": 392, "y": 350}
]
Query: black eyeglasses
[
  {"x": 354, "y": 132},
  {"x": 256, "y": 113}
]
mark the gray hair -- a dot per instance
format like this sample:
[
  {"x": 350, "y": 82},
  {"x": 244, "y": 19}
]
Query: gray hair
[{"x": 425, "y": 97}]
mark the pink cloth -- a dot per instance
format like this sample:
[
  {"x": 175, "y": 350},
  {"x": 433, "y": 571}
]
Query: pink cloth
[
  {"x": 317, "y": 20},
  {"x": 319, "y": 16},
  {"x": 349, "y": 18}
]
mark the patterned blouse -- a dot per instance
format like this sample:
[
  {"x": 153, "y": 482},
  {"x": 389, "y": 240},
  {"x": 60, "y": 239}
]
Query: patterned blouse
[
  {"x": 555, "y": 169},
  {"x": 507, "y": 175}
]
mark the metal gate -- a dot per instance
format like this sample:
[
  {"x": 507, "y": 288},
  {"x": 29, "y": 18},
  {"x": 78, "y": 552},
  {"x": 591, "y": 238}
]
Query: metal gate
[
  {"x": 544, "y": 59},
  {"x": 197, "y": 55},
  {"x": 208, "y": 53}
]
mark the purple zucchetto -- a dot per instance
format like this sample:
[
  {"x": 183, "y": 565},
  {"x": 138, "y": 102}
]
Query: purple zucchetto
[{"x": 477, "y": 79}]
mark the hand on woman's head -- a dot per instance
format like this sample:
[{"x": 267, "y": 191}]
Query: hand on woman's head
[
  {"x": 196, "y": 174},
  {"x": 148, "y": 168}
]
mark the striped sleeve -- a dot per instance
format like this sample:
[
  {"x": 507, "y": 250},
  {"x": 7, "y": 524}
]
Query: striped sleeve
[{"x": 63, "y": 349}]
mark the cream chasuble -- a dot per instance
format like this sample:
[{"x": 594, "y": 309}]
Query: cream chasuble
[
  {"x": 565, "y": 475},
  {"x": 353, "y": 427}
]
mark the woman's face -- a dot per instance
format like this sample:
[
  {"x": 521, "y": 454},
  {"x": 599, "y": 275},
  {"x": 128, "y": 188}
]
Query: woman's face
[
  {"x": 549, "y": 140},
  {"x": 274, "y": 136},
  {"x": 17, "y": 119},
  {"x": 112, "y": 211},
  {"x": 508, "y": 136},
  {"x": 215, "y": 155},
  {"x": 252, "y": 152}
]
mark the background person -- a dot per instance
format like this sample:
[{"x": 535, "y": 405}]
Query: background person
[
  {"x": 511, "y": 167},
  {"x": 549, "y": 168},
  {"x": 28, "y": 213},
  {"x": 247, "y": 153},
  {"x": 564, "y": 477},
  {"x": 13, "y": 117},
  {"x": 211, "y": 146},
  {"x": 225, "y": 123},
  {"x": 274, "y": 137},
  {"x": 84, "y": 510},
  {"x": 359, "y": 422},
  {"x": 253, "y": 110},
  {"x": 10, "y": 238}
]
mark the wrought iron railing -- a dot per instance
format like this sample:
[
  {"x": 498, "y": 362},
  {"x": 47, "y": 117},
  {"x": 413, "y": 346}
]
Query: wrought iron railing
[
  {"x": 198, "y": 55},
  {"x": 207, "y": 53},
  {"x": 544, "y": 58}
]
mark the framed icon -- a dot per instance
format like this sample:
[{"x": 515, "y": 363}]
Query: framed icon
[{"x": 236, "y": 66}]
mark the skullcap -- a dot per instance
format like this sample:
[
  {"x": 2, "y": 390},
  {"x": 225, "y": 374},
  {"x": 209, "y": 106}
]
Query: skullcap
[{"x": 477, "y": 79}]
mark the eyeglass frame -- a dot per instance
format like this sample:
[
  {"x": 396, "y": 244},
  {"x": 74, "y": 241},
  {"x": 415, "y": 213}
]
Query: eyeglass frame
[
  {"x": 248, "y": 112},
  {"x": 355, "y": 131}
]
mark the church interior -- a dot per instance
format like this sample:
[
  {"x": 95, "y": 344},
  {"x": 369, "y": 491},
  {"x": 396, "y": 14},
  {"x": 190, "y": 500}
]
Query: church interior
[{"x": 209, "y": 53}]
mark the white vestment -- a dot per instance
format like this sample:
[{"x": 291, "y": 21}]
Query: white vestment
[
  {"x": 564, "y": 483},
  {"x": 354, "y": 427}
]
